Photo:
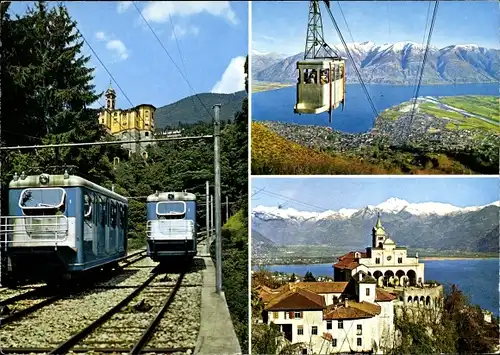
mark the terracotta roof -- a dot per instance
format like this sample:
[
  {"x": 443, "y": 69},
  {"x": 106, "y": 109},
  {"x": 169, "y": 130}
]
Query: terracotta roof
[
  {"x": 364, "y": 306},
  {"x": 348, "y": 261},
  {"x": 296, "y": 299},
  {"x": 266, "y": 294},
  {"x": 384, "y": 296},
  {"x": 323, "y": 287},
  {"x": 354, "y": 310}
]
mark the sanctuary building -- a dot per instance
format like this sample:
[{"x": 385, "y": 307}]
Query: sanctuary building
[
  {"x": 355, "y": 313},
  {"x": 136, "y": 123}
]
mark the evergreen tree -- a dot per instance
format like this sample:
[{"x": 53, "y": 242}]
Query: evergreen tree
[
  {"x": 293, "y": 278},
  {"x": 308, "y": 277}
]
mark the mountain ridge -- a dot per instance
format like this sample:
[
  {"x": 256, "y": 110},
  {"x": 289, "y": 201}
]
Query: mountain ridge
[
  {"x": 190, "y": 110},
  {"x": 398, "y": 63},
  {"x": 464, "y": 229}
]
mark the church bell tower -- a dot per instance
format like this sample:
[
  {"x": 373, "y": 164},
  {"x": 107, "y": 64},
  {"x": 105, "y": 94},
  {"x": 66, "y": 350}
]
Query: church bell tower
[{"x": 378, "y": 234}]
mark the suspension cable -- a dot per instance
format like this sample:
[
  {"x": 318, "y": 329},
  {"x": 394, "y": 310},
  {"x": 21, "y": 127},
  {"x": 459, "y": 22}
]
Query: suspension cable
[
  {"x": 175, "y": 64},
  {"x": 423, "y": 63},
  {"x": 353, "y": 63}
]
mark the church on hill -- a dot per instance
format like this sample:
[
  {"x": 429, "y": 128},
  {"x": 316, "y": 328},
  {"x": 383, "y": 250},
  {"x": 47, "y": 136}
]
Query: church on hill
[
  {"x": 136, "y": 123},
  {"x": 356, "y": 312}
]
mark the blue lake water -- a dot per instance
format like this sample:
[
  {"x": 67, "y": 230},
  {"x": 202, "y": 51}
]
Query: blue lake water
[
  {"x": 477, "y": 278},
  {"x": 277, "y": 105}
]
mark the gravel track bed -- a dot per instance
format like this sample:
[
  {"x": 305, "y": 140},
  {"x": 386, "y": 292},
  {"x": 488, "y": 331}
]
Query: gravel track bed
[
  {"x": 57, "y": 322},
  {"x": 6, "y": 293},
  {"x": 180, "y": 325},
  {"x": 125, "y": 328}
]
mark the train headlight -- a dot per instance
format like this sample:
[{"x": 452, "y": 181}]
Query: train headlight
[
  {"x": 170, "y": 196},
  {"x": 44, "y": 179}
]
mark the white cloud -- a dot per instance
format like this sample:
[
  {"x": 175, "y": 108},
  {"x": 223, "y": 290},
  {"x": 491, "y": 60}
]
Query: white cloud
[
  {"x": 115, "y": 46},
  {"x": 100, "y": 36},
  {"x": 181, "y": 31},
  {"x": 123, "y": 6},
  {"x": 159, "y": 11},
  {"x": 233, "y": 78}
]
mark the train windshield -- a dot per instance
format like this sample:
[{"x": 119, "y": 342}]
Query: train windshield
[
  {"x": 47, "y": 199},
  {"x": 171, "y": 209}
]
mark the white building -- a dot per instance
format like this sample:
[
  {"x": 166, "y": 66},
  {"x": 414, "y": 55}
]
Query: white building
[
  {"x": 388, "y": 264},
  {"x": 356, "y": 312},
  {"x": 332, "y": 317}
]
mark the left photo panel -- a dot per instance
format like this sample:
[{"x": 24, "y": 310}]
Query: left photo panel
[{"x": 124, "y": 177}]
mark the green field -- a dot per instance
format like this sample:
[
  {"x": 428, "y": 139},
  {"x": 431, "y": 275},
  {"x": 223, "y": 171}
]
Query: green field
[
  {"x": 459, "y": 121},
  {"x": 486, "y": 106}
]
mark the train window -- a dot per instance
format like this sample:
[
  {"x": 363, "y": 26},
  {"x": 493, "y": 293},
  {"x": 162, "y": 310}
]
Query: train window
[
  {"x": 123, "y": 216},
  {"x": 113, "y": 213},
  {"x": 42, "y": 198},
  {"x": 50, "y": 200},
  {"x": 173, "y": 208},
  {"x": 87, "y": 205},
  {"x": 102, "y": 209}
]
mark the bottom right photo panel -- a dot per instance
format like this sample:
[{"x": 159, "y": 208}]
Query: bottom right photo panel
[{"x": 375, "y": 265}]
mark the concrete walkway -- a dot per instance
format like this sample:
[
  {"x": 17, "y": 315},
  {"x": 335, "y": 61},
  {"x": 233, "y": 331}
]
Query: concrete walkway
[{"x": 216, "y": 335}]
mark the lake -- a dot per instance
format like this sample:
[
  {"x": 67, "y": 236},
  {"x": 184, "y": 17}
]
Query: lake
[
  {"x": 277, "y": 105},
  {"x": 477, "y": 278}
]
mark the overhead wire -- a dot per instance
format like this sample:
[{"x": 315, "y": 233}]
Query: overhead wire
[
  {"x": 353, "y": 63},
  {"x": 170, "y": 57},
  {"x": 431, "y": 29},
  {"x": 180, "y": 55},
  {"x": 288, "y": 199}
]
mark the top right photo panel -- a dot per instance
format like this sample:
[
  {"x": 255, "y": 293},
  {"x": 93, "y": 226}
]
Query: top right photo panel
[{"x": 375, "y": 87}]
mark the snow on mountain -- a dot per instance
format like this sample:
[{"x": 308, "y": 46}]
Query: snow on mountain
[{"x": 392, "y": 205}]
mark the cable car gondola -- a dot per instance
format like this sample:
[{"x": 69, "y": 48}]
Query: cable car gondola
[{"x": 321, "y": 78}]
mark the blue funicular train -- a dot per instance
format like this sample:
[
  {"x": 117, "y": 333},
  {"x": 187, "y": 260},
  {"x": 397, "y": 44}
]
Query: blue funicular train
[
  {"x": 61, "y": 225},
  {"x": 171, "y": 225}
]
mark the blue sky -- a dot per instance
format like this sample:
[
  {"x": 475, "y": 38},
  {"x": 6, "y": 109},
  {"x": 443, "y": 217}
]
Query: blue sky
[
  {"x": 212, "y": 37},
  {"x": 281, "y": 26},
  {"x": 348, "y": 192}
]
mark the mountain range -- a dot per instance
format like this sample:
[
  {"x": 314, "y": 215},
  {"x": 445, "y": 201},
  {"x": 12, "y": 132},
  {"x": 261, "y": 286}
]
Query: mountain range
[
  {"x": 396, "y": 63},
  {"x": 429, "y": 225},
  {"x": 190, "y": 109}
]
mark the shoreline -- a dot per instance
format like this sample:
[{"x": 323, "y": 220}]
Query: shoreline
[{"x": 436, "y": 258}]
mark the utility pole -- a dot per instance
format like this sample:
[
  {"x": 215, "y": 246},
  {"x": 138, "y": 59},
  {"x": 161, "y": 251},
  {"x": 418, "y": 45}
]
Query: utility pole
[
  {"x": 227, "y": 209},
  {"x": 218, "y": 240},
  {"x": 211, "y": 218},
  {"x": 207, "y": 215}
]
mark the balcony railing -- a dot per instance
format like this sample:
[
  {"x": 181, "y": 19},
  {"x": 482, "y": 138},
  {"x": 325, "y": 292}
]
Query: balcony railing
[{"x": 33, "y": 229}]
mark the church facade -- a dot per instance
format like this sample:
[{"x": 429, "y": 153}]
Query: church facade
[
  {"x": 389, "y": 264},
  {"x": 136, "y": 123}
]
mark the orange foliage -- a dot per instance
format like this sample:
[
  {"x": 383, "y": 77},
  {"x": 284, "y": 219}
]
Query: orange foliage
[{"x": 273, "y": 154}]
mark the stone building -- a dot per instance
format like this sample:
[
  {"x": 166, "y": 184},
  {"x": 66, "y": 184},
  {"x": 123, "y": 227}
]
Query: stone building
[
  {"x": 136, "y": 123},
  {"x": 355, "y": 312}
]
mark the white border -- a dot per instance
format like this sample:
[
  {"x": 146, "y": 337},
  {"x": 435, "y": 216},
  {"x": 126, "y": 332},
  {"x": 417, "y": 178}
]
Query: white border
[{"x": 249, "y": 165}]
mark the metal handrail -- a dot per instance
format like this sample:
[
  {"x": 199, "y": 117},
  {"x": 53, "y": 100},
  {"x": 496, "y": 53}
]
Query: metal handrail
[
  {"x": 21, "y": 229},
  {"x": 169, "y": 227}
]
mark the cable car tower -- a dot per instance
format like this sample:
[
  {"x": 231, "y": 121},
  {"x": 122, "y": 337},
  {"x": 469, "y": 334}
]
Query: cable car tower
[{"x": 321, "y": 81}]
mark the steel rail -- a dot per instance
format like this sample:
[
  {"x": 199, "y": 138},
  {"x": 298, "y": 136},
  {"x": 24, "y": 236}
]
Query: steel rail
[
  {"x": 52, "y": 299},
  {"x": 23, "y": 296},
  {"x": 96, "y": 350},
  {"x": 65, "y": 347},
  {"x": 18, "y": 315},
  {"x": 146, "y": 336}
]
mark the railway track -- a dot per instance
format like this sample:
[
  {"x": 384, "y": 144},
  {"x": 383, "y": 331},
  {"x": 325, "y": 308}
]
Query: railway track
[
  {"x": 29, "y": 302},
  {"x": 173, "y": 305}
]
